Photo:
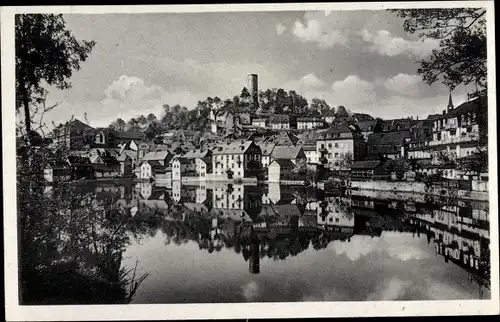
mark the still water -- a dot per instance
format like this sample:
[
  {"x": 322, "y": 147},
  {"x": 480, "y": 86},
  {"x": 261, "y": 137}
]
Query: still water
[{"x": 212, "y": 243}]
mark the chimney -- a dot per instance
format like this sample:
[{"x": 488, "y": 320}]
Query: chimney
[{"x": 417, "y": 118}]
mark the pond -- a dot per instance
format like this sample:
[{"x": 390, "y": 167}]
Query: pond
[{"x": 220, "y": 243}]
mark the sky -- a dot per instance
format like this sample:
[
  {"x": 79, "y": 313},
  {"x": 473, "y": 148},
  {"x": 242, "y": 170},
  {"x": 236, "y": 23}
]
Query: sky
[
  {"x": 394, "y": 266},
  {"x": 360, "y": 59}
]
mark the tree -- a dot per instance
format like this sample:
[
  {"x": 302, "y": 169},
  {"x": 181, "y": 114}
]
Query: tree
[
  {"x": 118, "y": 125},
  {"x": 341, "y": 112},
  {"x": 476, "y": 163},
  {"x": 151, "y": 117},
  {"x": 347, "y": 160},
  {"x": 460, "y": 57},
  {"x": 46, "y": 54},
  {"x": 399, "y": 166},
  {"x": 319, "y": 105}
]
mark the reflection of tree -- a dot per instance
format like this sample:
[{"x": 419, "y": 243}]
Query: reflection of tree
[{"x": 71, "y": 248}]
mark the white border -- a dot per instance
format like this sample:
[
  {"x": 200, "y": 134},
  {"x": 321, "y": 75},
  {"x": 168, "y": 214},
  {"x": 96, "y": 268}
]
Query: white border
[{"x": 14, "y": 312}]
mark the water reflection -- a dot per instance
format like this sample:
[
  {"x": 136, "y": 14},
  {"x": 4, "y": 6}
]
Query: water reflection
[{"x": 286, "y": 236}]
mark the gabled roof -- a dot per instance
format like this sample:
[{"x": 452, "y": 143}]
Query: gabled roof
[
  {"x": 285, "y": 152},
  {"x": 266, "y": 147},
  {"x": 391, "y": 138},
  {"x": 365, "y": 164},
  {"x": 279, "y": 118},
  {"x": 309, "y": 119},
  {"x": 338, "y": 131},
  {"x": 237, "y": 147},
  {"x": 366, "y": 126},
  {"x": 197, "y": 153},
  {"x": 181, "y": 160},
  {"x": 122, "y": 157},
  {"x": 156, "y": 155},
  {"x": 288, "y": 210},
  {"x": 284, "y": 163},
  {"x": 155, "y": 164}
]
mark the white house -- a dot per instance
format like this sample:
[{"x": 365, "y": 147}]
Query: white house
[
  {"x": 309, "y": 123},
  {"x": 149, "y": 169},
  {"x": 179, "y": 167},
  {"x": 237, "y": 159},
  {"x": 280, "y": 169},
  {"x": 266, "y": 149},
  {"x": 259, "y": 122},
  {"x": 279, "y": 122}
]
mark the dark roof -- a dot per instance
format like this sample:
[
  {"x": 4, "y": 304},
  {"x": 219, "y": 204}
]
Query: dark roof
[
  {"x": 126, "y": 135},
  {"x": 433, "y": 116},
  {"x": 391, "y": 138},
  {"x": 338, "y": 131},
  {"x": 469, "y": 106},
  {"x": 284, "y": 163},
  {"x": 365, "y": 164},
  {"x": 309, "y": 119},
  {"x": 155, "y": 164},
  {"x": 181, "y": 160},
  {"x": 279, "y": 118},
  {"x": 285, "y": 152},
  {"x": 366, "y": 126}
]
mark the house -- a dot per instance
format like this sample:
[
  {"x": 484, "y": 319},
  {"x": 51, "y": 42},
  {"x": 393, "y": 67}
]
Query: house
[
  {"x": 200, "y": 161},
  {"x": 237, "y": 159},
  {"x": 163, "y": 157},
  {"x": 369, "y": 127},
  {"x": 329, "y": 116},
  {"x": 293, "y": 153},
  {"x": 311, "y": 154},
  {"x": 369, "y": 170},
  {"x": 279, "y": 122},
  {"x": 337, "y": 143},
  {"x": 259, "y": 122},
  {"x": 309, "y": 123},
  {"x": 106, "y": 137},
  {"x": 151, "y": 168},
  {"x": 126, "y": 166},
  {"x": 362, "y": 117},
  {"x": 389, "y": 145},
  {"x": 398, "y": 125},
  {"x": 179, "y": 167},
  {"x": 280, "y": 169},
  {"x": 457, "y": 131},
  {"x": 72, "y": 135},
  {"x": 105, "y": 171},
  {"x": 96, "y": 159},
  {"x": 266, "y": 148},
  {"x": 224, "y": 122},
  {"x": 57, "y": 172},
  {"x": 245, "y": 118}
]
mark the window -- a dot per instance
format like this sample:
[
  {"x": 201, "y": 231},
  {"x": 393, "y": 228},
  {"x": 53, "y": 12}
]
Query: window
[
  {"x": 329, "y": 145},
  {"x": 336, "y": 155},
  {"x": 336, "y": 145},
  {"x": 322, "y": 145}
]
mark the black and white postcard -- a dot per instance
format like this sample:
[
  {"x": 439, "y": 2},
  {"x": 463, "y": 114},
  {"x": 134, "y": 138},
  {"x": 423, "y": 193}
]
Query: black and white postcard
[{"x": 249, "y": 161}]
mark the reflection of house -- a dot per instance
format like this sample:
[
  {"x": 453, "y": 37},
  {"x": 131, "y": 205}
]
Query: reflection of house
[
  {"x": 280, "y": 169},
  {"x": 238, "y": 159},
  {"x": 105, "y": 171}
]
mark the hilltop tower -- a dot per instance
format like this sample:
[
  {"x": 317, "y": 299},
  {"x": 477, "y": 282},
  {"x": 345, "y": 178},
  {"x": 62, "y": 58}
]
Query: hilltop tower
[{"x": 253, "y": 89}]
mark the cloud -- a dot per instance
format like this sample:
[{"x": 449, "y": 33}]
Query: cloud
[
  {"x": 313, "y": 31},
  {"x": 404, "y": 84},
  {"x": 385, "y": 44},
  {"x": 356, "y": 248},
  {"x": 250, "y": 291},
  {"x": 305, "y": 84},
  {"x": 327, "y": 13},
  {"x": 389, "y": 291},
  {"x": 280, "y": 28},
  {"x": 131, "y": 88},
  {"x": 354, "y": 89}
]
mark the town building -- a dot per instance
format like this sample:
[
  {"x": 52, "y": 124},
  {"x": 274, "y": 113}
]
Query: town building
[
  {"x": 293, "y": 153},
  {"x": 180, "y": 167},
  {"x": 200, "y": 161},
  {"x": 280, "y": 169},
  {"x": 126, "y": 165},
  {"x": 369, "y": 127},
  {"x": 266, "y": 150},
  {"x": 369, "y": 170},
  {"x": 309, "y": 123},
  {"x": 151, "y": 168},
  {"x": 279, "y": 122},
  {"x": 329, "y": 116},
  {"x": 260, "y": 122},
  {"x": 162, "y": 157},
  {"x": 457, "y": 131},
  {"x": 389, "y": 145},
  {"x": 223, "y": 122},
  {"x": 335, "y": 144},
  {"x": 106, "y": 137},
  {"x": 72, "y": 135},
  {"x": 238, "y": 159}
]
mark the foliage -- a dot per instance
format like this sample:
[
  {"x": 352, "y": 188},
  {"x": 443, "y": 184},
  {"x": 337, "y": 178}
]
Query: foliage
[
  {"x": 341, "y": 112},
  {"x": 461, "y": 55},
  {"x": 399, "y": 166},
  {"x": 320, "y": 105},
  {"x": 46, "y": 54},
  {"x": 347, "y": 160},
  {"x": 476, "y": 163}
]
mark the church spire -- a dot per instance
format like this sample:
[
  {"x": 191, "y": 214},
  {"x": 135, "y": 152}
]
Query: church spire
[{"x": 450, "y": 103}]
